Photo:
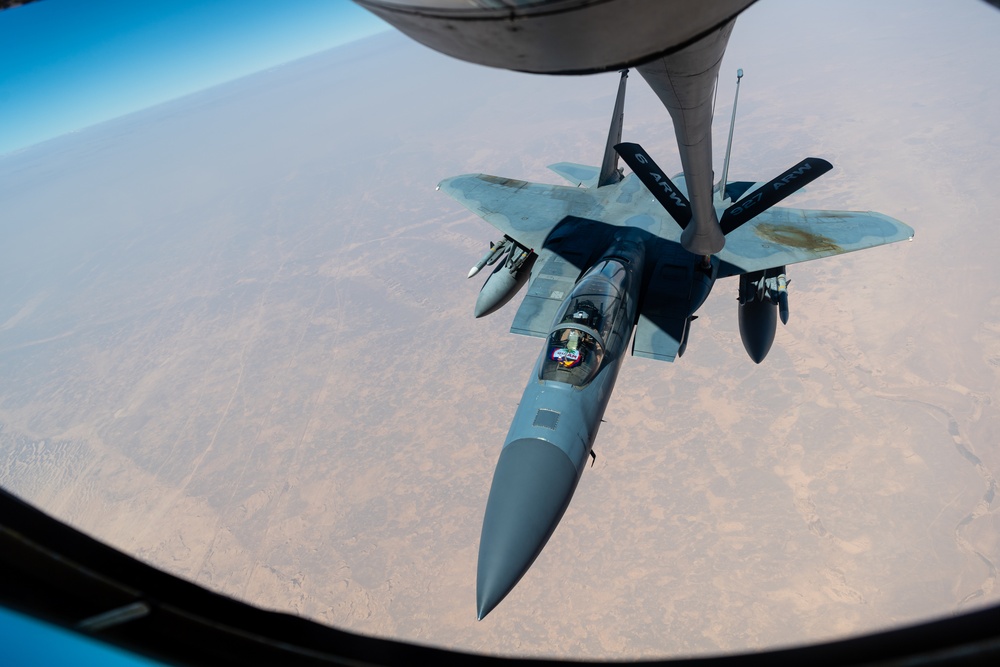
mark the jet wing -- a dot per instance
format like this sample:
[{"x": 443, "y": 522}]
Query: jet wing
[
  {"x": 552, "y": 279},
  {"x": 782, "y": 236},
  {"x": 579, "y": 175},
  {"x": 529, "y": 214},
  {"x": 526, "y": 212}
]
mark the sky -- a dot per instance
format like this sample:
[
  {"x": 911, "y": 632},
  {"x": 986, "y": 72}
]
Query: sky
[{"x": 70, "y": 64}]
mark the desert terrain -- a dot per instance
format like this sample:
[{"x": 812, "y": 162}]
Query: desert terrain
[{"x": 236, "y": 341}]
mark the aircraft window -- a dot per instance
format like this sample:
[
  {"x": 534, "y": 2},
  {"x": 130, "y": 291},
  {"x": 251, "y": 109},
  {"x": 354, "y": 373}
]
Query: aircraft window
[
  {"x": 614, "y": 272},
  {"x": 572, "y": 356},
  {"x": 594, "y": 303},
  {"x": 584, "y": 324}
]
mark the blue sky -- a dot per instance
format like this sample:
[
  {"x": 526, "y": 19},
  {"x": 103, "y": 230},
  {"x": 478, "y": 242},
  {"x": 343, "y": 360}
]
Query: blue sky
[{"x": 70, "y": 64}]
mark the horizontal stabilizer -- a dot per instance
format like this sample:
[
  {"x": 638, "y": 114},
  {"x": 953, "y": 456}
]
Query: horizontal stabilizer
[
  {"x": 578, "y": 174},
  {"x": 657, "y": 182},
  {"x": 772, "y": 192}
]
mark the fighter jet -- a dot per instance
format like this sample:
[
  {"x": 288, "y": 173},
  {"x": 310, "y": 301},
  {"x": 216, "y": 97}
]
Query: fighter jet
[{"x": 615, "y": 258}]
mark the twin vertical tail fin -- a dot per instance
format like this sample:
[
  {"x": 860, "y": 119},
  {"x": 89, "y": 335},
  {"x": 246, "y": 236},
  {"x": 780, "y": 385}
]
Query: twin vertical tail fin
[
  {"x": 608, "y": 173},
  {"x": 609, "y": 166}
]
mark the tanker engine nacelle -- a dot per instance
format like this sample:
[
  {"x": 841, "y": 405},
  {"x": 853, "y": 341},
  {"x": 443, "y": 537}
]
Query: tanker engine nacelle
[
  {"x": 763, "y": 296},
  {"x": 507, "y": 278}
]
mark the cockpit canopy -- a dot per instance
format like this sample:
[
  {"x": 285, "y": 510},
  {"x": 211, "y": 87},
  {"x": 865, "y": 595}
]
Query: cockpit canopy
[
  {"x": 584, "y": 324},
  {"x": 572, "y": 356}
]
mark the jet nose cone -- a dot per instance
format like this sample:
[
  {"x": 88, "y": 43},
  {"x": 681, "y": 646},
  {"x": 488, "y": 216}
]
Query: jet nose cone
[{"x": 532, "y": 486}]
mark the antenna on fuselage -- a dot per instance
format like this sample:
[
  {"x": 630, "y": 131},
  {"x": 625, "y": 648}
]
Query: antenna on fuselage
[
  {"x": 609, "y": 166},
  {"x": 721, "y": 191}
]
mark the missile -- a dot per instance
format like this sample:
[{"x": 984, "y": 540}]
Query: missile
[
  {"x": 491, "y": 256},
  {"x": 783, "y": 281}
]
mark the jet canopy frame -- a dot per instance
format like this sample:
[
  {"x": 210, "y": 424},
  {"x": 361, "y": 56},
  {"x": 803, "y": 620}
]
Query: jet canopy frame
[{"x": 584, "y": 324}]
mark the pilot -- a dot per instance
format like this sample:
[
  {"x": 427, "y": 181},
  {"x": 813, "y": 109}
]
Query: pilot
[{"x": 586, "y": 314}]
